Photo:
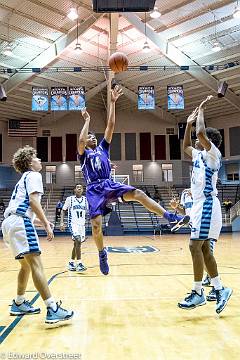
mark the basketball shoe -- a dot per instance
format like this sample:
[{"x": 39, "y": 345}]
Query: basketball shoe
[
  {"x": 193, "y": 300},
  {"x": 23, "y": 309},
  {"x": 103, "y": 261}
]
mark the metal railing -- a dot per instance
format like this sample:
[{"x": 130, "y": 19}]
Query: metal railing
[{"x": 235, "y": 211}]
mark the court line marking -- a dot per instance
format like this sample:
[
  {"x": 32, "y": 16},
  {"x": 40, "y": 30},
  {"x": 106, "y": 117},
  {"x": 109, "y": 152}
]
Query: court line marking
[{"x": 14, "y": 323}]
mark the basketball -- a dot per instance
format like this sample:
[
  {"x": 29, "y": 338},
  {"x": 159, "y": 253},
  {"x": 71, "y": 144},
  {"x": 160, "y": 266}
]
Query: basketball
[{"x": 118, "y": 62}]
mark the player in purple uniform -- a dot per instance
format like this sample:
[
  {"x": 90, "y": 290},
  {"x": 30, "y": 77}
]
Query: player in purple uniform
[{"x": 101, "y": 189}]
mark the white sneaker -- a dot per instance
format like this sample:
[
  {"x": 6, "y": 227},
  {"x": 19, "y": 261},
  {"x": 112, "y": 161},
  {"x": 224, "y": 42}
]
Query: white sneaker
[
  {"x": 71, "y": 266},
  {"x": 80, "y": 268}
]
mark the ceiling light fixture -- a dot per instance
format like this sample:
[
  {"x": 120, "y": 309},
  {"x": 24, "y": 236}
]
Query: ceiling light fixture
[
  {"x": 78, "y": 45},
  {"x": 216, "y": 45},
  {"x": 146, "y": 47},
  {"x": 155, "y": 14},
  {"x": 8, "y": 50},
  {"x": 236, "y": 13},
  {"x": 72, "y": 15}
]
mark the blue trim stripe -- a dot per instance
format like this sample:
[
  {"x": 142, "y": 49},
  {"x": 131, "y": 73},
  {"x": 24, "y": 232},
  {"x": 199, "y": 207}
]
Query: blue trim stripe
[
  {"x": 206, "y": 218},
  {"x": 22, "y": 208},
  {"x": 14, "y": 323},
  {"x": 31, "y": 235}
]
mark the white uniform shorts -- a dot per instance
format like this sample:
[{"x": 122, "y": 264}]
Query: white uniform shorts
[
  {"x": 20, "y": 234},
  {"x": 77, "y": 230},
  {"x": 206, "y": 219}
]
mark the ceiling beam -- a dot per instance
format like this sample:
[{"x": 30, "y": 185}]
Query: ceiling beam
[
  {"x": 51, "y": 54},
  {"x": 15, "y": 11},
  {"x": 179, "y": 58},
  {"x": 114, "y": 20}
]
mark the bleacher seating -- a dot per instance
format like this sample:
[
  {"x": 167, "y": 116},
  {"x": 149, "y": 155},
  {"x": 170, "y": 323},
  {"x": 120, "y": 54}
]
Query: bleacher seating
[{"x": 134, "y": 217}]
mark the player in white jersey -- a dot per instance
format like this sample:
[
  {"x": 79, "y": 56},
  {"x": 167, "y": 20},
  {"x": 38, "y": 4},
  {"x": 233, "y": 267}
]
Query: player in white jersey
[
  {"x": 183, "y": 207},
  {"x": 206, "y": 210},
  {"x": 76, "y": 205},
  {"x": 19, "y": 233}
]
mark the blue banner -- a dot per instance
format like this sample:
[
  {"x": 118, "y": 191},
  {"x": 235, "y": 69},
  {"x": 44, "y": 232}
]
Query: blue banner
[
  {"x": 146, "y": 98},
  {"x": 39, "y": 99},
  {"x": 175, "y": 97}
]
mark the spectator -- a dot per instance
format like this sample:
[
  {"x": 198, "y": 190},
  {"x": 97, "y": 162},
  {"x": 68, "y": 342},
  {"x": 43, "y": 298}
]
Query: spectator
[
  {"x": 2, "y": 205},
  {"x": 227, "y": 205},
  {"x": 59, "y": 207},
  {"x": 157, "y": 196}
]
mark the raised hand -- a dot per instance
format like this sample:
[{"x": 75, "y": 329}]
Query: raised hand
[
  {"x": 174, "y": 203},
  {"x": 209, "y": 97},
  {"x": 85, "y": 114},
  {"x": 116, "y": 93},
  {"x": 192, "y": 117}
]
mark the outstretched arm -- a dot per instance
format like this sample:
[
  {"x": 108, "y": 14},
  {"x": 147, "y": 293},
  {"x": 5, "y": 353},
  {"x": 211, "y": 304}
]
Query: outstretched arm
[
  {"x": 115, "y": 94},
  {"x": 200, "y": 126},
  {"x": 84, "y": 133},
  {"x": 187, "y": 141}
]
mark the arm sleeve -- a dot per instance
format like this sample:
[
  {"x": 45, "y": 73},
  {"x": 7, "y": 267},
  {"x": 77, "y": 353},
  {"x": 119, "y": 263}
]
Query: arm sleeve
[
  {"x": 34, "y": 183},
  {"x": 104, "y": 145},
  {"x": 66, "y": 204}
]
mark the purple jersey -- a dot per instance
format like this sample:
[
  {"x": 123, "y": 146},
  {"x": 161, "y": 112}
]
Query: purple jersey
[{"x": 95, "y": 163}]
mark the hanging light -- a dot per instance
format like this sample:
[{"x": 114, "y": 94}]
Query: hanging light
[
  {"x": 146, "y": 47},
  {"x": 8, "y": 50},
  {"x": 155, "y": 14},
  {"x": 216, "y": 47},
  {"x": 78, "y": 45},
  {"x": 72, "y": 15},
  {"x": 236, "y": 13}
]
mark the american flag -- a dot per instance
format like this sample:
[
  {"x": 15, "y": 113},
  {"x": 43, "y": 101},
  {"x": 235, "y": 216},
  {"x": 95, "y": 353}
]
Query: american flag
[{"x": 24, "y": 128}]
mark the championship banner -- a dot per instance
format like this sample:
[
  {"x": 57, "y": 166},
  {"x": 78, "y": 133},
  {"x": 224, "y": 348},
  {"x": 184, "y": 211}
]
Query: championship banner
[
  {"x": 146, "y": 98},
  {"x": 175, "y": 97},
  {"x": 59, "y": 99},
  {"x": 39, "y": 99},
  {"x": 76, "y": 100}
]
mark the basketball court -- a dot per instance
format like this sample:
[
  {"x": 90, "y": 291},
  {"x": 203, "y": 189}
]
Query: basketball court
[{"x": 132, "y": 313}]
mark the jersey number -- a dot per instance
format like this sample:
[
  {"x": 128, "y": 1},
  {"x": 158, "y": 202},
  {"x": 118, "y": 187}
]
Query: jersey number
[{"x": 79, "y": 214}]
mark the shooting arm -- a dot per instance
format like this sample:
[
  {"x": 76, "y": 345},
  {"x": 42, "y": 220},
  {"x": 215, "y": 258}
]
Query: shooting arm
[
  {"x": 201, "y": 131},
  {"x": 84, "y": 133}
]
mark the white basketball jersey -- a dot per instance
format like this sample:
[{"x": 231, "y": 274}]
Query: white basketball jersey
[
  {"x": 76, "y": 209},
  {"x": 206, "y": 165},
  {"x": 30, "y": 182}
]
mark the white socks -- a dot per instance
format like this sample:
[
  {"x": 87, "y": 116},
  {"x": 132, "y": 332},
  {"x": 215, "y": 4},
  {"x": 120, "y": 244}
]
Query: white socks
[
  {"x": 216, "y": 283},
  {"x": 50, "y": 302},
  {"x": 198, "y": 287},
  {"x": 19, "y": 299}
]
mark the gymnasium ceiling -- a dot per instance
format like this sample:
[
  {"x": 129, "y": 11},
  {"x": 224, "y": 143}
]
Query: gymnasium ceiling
[{"x": 41, "y": 35}]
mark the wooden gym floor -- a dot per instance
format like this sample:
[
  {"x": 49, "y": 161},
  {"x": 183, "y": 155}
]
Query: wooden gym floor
[{"x": 130, "y": 314}]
